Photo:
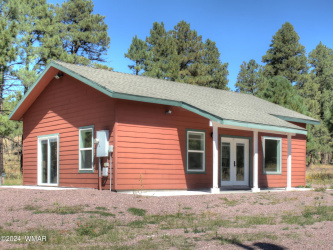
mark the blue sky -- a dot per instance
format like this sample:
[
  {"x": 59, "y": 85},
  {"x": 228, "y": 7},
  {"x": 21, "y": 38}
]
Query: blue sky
[{"x": 242, "y": 29}]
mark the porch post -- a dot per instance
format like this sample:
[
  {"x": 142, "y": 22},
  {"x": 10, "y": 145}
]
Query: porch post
[
  {"x": 255, "y": 162},
  {"x": 289, "y": 164},
  {"x": 215, "y": 189}
]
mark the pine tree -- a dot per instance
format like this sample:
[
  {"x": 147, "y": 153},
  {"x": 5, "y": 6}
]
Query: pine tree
[
  {"x": 163, "y": 59},
  {"x": 286, "y": 56},
  {"x": 137, "y": 53},
  {"x": 250, "y": 78},
  {"x": 280, "y": 91},
  {"x": 8, "y": 53},
  {"x": 216, "y": 72},
  {"x": 318, "y": 143},
  {"x": 70, "y": 33},
  {"x": 83, "y": 34},
  {"x": 321, "y": 61},
  {"x": 181, "y": 55},
  {"x": 190, "y": 50}
]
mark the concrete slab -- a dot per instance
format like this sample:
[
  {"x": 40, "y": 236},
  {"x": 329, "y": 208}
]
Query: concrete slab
[
  {"x": 37, "y": 187},
  {"x": 161, "y": 193}
]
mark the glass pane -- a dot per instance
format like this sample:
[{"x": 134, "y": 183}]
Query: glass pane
[
  {"x": 195, "y": 161},
  {"x": 271, "y": 155},
  {"x": 53, "y": 161},
  {"x": 86, "y": 138},
  {"x": 86, "y": 159},
  {"x": 225, "y": 161},
  {"x": 44, "y": 161},
  {"x": 240, "y": 162},
  {"x": 196, "y": 141}
]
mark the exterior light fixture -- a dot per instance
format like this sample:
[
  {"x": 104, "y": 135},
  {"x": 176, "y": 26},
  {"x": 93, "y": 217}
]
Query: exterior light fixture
[
  {"x": 168, "y": 112},
  {"x": 58, "y": 76}
]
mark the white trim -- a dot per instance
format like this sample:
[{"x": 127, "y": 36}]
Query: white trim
[
  {"x": 255, "y": 162},
  {"x": 289, "y": 164},
  {"x": 39, "y": 157},
  {"x": 215, "y": 160},
  {"x": 279, "y": 161},
  {"x": 203, "y": 152},
  {"x": 233, "y": 142},
  {"x": 86, "y": 149},
  {"x": 250, "y": 129}
]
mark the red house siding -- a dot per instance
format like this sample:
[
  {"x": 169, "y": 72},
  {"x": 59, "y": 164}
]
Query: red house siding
[
  {"x": 149, "y": 145},
  {"x": 298, "y": 149},
  {"x": 64, "y": 106}
]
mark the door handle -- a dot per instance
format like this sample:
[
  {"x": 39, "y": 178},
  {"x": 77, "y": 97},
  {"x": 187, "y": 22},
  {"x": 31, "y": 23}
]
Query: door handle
[{"x": 234, "y": 163}]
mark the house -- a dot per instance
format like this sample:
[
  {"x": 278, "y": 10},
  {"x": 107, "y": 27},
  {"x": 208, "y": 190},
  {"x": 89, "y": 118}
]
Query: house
[{"x": 166, "y": 135}]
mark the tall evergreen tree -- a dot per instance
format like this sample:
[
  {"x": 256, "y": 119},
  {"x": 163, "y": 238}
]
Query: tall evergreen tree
[
  {"x": 286, "y": 56},
  {"x": 83, "y": 34},
  {"x": 137, "y": 53},
  {"x": 181, "y": 55},
  {"x": 318, "y": 143},
  {"x": 190, "y": 50},
  {"x": 250, "y": 78},
  {"x": 163, "y": 59},
  {"x": 70, "y": 33},
  {"x": 34, "y": 16},
  {"x": 321, "y": 61},
  {"x": 280, "y": 91},
  {"x": 216, "y": 72},
  {"x": 8, "y": 53}
]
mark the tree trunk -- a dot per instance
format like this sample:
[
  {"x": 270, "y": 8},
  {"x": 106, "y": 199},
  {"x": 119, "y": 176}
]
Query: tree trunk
[
  {"x": 310, "y": 161},
  {"x": 2, "y": 82}
]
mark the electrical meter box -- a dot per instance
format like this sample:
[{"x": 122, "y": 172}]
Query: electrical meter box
[{"x": 102, "y": 149}]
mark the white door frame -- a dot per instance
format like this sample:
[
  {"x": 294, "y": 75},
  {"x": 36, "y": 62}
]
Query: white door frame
[
  {"x": 233, "y": 141},
  {"x": 39, "y": 158}
]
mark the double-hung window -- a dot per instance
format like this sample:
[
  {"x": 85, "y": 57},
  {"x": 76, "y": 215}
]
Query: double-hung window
[
  {"x": 196, "y": 155},
  {"x": 86, "y": 149},
  {"x": 272, "y": 155}
]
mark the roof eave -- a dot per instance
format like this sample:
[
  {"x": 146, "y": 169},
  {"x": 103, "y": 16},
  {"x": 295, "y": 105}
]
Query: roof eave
[
  {"x": 12, "y": 115},
  {"x": 300, "y": 120}
]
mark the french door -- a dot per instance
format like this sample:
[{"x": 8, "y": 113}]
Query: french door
[
  {"x": 234, "y": 161},
  {"x": 48, "y": 162}
]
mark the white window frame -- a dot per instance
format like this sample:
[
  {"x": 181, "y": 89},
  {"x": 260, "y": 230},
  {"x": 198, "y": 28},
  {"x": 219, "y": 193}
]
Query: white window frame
[
  {"x": 202, "y": 132},
  {"x": 86, "y": 170},
  {"x": 279, "y": 160},
  {"x": 39, "y": 157}
]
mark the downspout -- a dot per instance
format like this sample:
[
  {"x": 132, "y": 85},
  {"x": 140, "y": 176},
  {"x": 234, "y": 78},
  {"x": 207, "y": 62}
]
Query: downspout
[
  {"x": 110, "y": 169},
  {"x": 99, "y": 173}
]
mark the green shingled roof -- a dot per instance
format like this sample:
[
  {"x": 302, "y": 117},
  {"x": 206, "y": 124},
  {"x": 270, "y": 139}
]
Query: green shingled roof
[{"x": 219, "y": 105}]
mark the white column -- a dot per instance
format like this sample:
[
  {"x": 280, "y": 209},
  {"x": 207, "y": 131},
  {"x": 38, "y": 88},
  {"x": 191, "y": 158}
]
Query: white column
[
  {"x": 215, "y": 189},
  {"x": 255, "y": 162},
  {"x": 289, "y": 164}
]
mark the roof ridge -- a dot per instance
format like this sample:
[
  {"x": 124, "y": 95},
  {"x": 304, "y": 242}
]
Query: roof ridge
[{"x": 148, "y": 77}]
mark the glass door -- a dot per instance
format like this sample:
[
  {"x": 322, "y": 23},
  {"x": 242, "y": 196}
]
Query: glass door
[
  {"x": 48, "y": 151},
  {"x": 234, "y": 162}
]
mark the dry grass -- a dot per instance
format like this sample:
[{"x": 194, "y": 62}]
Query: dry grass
[
  {"x": 12, "y": 165},
  {"x": 88, "y": 219},
  {"x": 320, "y": 175}
]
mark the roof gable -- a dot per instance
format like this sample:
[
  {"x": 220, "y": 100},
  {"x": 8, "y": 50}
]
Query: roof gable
[{"x": 224, "y": 107}]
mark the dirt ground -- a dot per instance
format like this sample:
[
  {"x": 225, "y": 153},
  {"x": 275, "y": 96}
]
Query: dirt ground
[{"x": 87, "y": 218}]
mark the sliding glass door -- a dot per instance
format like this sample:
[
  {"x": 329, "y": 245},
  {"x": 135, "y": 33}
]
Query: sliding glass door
[{"x": 48, "y": 162}]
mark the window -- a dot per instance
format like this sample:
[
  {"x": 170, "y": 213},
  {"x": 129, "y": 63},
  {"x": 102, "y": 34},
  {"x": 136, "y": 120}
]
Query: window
[
  {"x": 195, "y": 144},
  {"x": 86, "y": 149},
  {"x": 272, "y": 155}
]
